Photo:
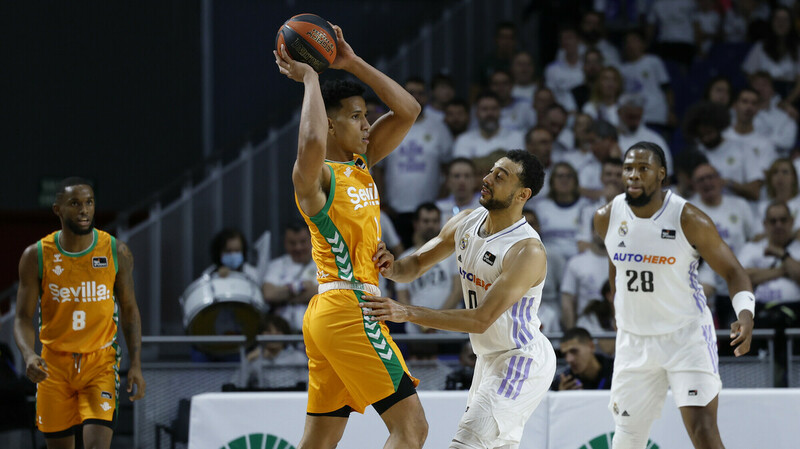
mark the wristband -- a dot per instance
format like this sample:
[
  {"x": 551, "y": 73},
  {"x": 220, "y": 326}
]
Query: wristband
[{"x": 744, "y": 300}]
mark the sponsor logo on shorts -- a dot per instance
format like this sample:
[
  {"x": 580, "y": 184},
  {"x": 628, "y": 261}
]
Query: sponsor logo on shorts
[
  {"x": 105, "y": 406},
  {"x": 99, "y": 262},
  {"x": 259, "y": 440},
  {"x": 105, "y": 395},
  {"x": 692, "y": 392},
  {"x": 604, "y": 442},
  {"x": 489, "y": 258},
  {"x": 625, "y": 413},
  {"x": 668, "y": 234}
]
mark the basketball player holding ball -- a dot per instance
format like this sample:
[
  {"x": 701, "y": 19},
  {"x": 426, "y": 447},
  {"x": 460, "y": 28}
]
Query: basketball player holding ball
[{"x": 353, "y": 362}]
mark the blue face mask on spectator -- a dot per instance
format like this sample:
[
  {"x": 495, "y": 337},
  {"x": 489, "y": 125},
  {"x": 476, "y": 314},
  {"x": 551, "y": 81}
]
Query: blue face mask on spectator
[{"x": 232, "y": 260}]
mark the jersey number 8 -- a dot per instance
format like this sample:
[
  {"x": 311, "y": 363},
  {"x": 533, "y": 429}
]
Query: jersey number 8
[{"x": 78, "y": 320}]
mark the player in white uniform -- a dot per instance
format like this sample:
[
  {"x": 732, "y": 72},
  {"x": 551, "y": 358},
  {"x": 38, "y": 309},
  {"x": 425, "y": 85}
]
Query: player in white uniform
[
  {"x": 502, "y": 264},
  {"x": 666, "y": 335}
]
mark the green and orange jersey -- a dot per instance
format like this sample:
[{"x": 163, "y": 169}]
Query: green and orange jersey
[
  {"x": 79, "y": 313},
  {"x": 346, "y": 232}
]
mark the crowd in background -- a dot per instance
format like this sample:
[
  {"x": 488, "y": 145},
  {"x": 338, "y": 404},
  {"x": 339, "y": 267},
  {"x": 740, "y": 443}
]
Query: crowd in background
[{"x": 716, "y": 84}]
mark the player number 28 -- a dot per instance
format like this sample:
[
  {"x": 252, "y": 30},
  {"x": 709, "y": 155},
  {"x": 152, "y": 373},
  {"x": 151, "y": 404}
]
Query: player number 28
[
  {"x": 78, "y": 320},
  {"x": 645, "y": 278}
]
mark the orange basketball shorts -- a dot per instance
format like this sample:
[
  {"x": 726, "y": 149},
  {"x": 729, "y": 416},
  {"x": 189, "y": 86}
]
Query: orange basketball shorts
[
  {"x": 351, "y": 361},
  {"x": 79, "y": 388}
]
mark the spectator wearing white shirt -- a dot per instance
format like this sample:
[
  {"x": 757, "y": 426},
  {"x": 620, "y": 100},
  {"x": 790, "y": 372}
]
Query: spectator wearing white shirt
[
  {"x": 439, "y": 287},
  {"x": 592, "y": 31},
  {"x": 707, "y": 22},
  {"x": 781, "y": 186},
  {"x": 631, "y": 129},
  {"x": 743, "y": 131},
  {"x": 523, "y": 71},
  {"x": 456, "y": 117},
  {"x": 489, "y": 135},
  {"x": 611, "y": 177},
  {"x": 443, "y": 91},
  {"x": 773, "y": 265},
  {"x": 550, "y": 307},
  {"x": 720, "y": 91},
  {"x": 291, "y": 279},
  {"x": 774, "y": 118},
  {"x": 778, "y": 54},
  {"x": 563, "y": 75},
  {"x": 584, "y": 277},
  {"x": 555, "y": 120},
  {"x": 704, "y": 124},
  {"x": 515, "y": 114},
  {"x": 274, "y": 365},
  {"x": 592, "y": 65},
  {"x": 603, "y": 142},
  {"x": 412, "y": 172},
  {"x": 745, "y": 20},
  {"x": 605, "y": 93},
  {"x": 592, "y": 34},
  {"x": 539, "y": 142},
  {"x": 735, "y": 224},
  {"x": 543, "y": 98},
  {"x": 560, "y": 213},
  {"x": 669, "y": 25},
  {"x": 646, "y": 74},
  {"x": 461, "y": 183}
]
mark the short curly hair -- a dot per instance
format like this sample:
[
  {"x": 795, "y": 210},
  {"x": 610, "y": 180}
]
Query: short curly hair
[
  {"x": 333, "y": 92},
  {"x": 705, "y": 113},
  {"x": 532, "y": 174}
]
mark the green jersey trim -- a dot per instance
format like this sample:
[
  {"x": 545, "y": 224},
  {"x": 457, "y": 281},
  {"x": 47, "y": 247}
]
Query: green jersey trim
[
  {"x": 40, "y": 258},
  {"x": 114, "y": 254},
  {"x": 331, "y": 193},
  {"x": 374, "y": 333},
  {"x": 82, "y": 253}
]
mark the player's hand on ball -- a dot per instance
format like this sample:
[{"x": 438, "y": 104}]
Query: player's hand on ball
[
  {"x": 742, "y": 333},
  {"x": 384, "y": 260},
  {"x": 135, "y": 378},
  {"x": 294, "y": 70},
  {"x": 344, "y": 52},
  {"x": 380, "y": 308},
  {"x": 36, "y": 369}
]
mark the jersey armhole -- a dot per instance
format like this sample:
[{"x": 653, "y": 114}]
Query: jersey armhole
[
  {"x": 331, "y": 193},
  {"x": 40, "y": 258},
  {"x": 114, "y": 253}
]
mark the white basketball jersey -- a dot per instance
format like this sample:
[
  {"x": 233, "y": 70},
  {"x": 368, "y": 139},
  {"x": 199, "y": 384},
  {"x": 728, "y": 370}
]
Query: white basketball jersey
[
  {"x": 480, "y": 263},
  {"x": 657, "y": 287}
]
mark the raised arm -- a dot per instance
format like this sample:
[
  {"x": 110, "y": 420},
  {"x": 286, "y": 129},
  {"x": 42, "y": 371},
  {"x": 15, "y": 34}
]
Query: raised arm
[
  {"x": 524, "y": 266},
  {"x": 28, "y": 294},
  {"x": 702, "y": 234},
  {"x": 308, "y": 175},
  {"x": 388, "y": 131},
  {"x": 131, "y": 321}
]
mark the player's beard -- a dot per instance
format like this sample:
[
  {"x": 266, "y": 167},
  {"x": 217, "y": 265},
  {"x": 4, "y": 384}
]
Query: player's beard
[
  {"x": 640, "y": 201},
  {"x": 75, "y": 229},
  {"x": 496, "y": 204}
]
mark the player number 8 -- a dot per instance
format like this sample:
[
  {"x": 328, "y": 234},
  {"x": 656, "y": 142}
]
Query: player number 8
[{"x": 78, "y": 320}]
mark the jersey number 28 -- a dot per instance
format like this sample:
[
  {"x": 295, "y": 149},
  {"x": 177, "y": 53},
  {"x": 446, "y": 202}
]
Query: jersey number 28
[{"x": 645, "y": 278}]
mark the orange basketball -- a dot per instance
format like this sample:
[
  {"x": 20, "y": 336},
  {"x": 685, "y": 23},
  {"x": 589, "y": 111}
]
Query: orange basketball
[{"x": 308, "y": 38}]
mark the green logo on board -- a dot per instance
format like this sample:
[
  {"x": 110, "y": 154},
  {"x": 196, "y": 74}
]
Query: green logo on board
[
  {"x": 604, "y": 442},
  {"x": 258, "y": 440}
]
